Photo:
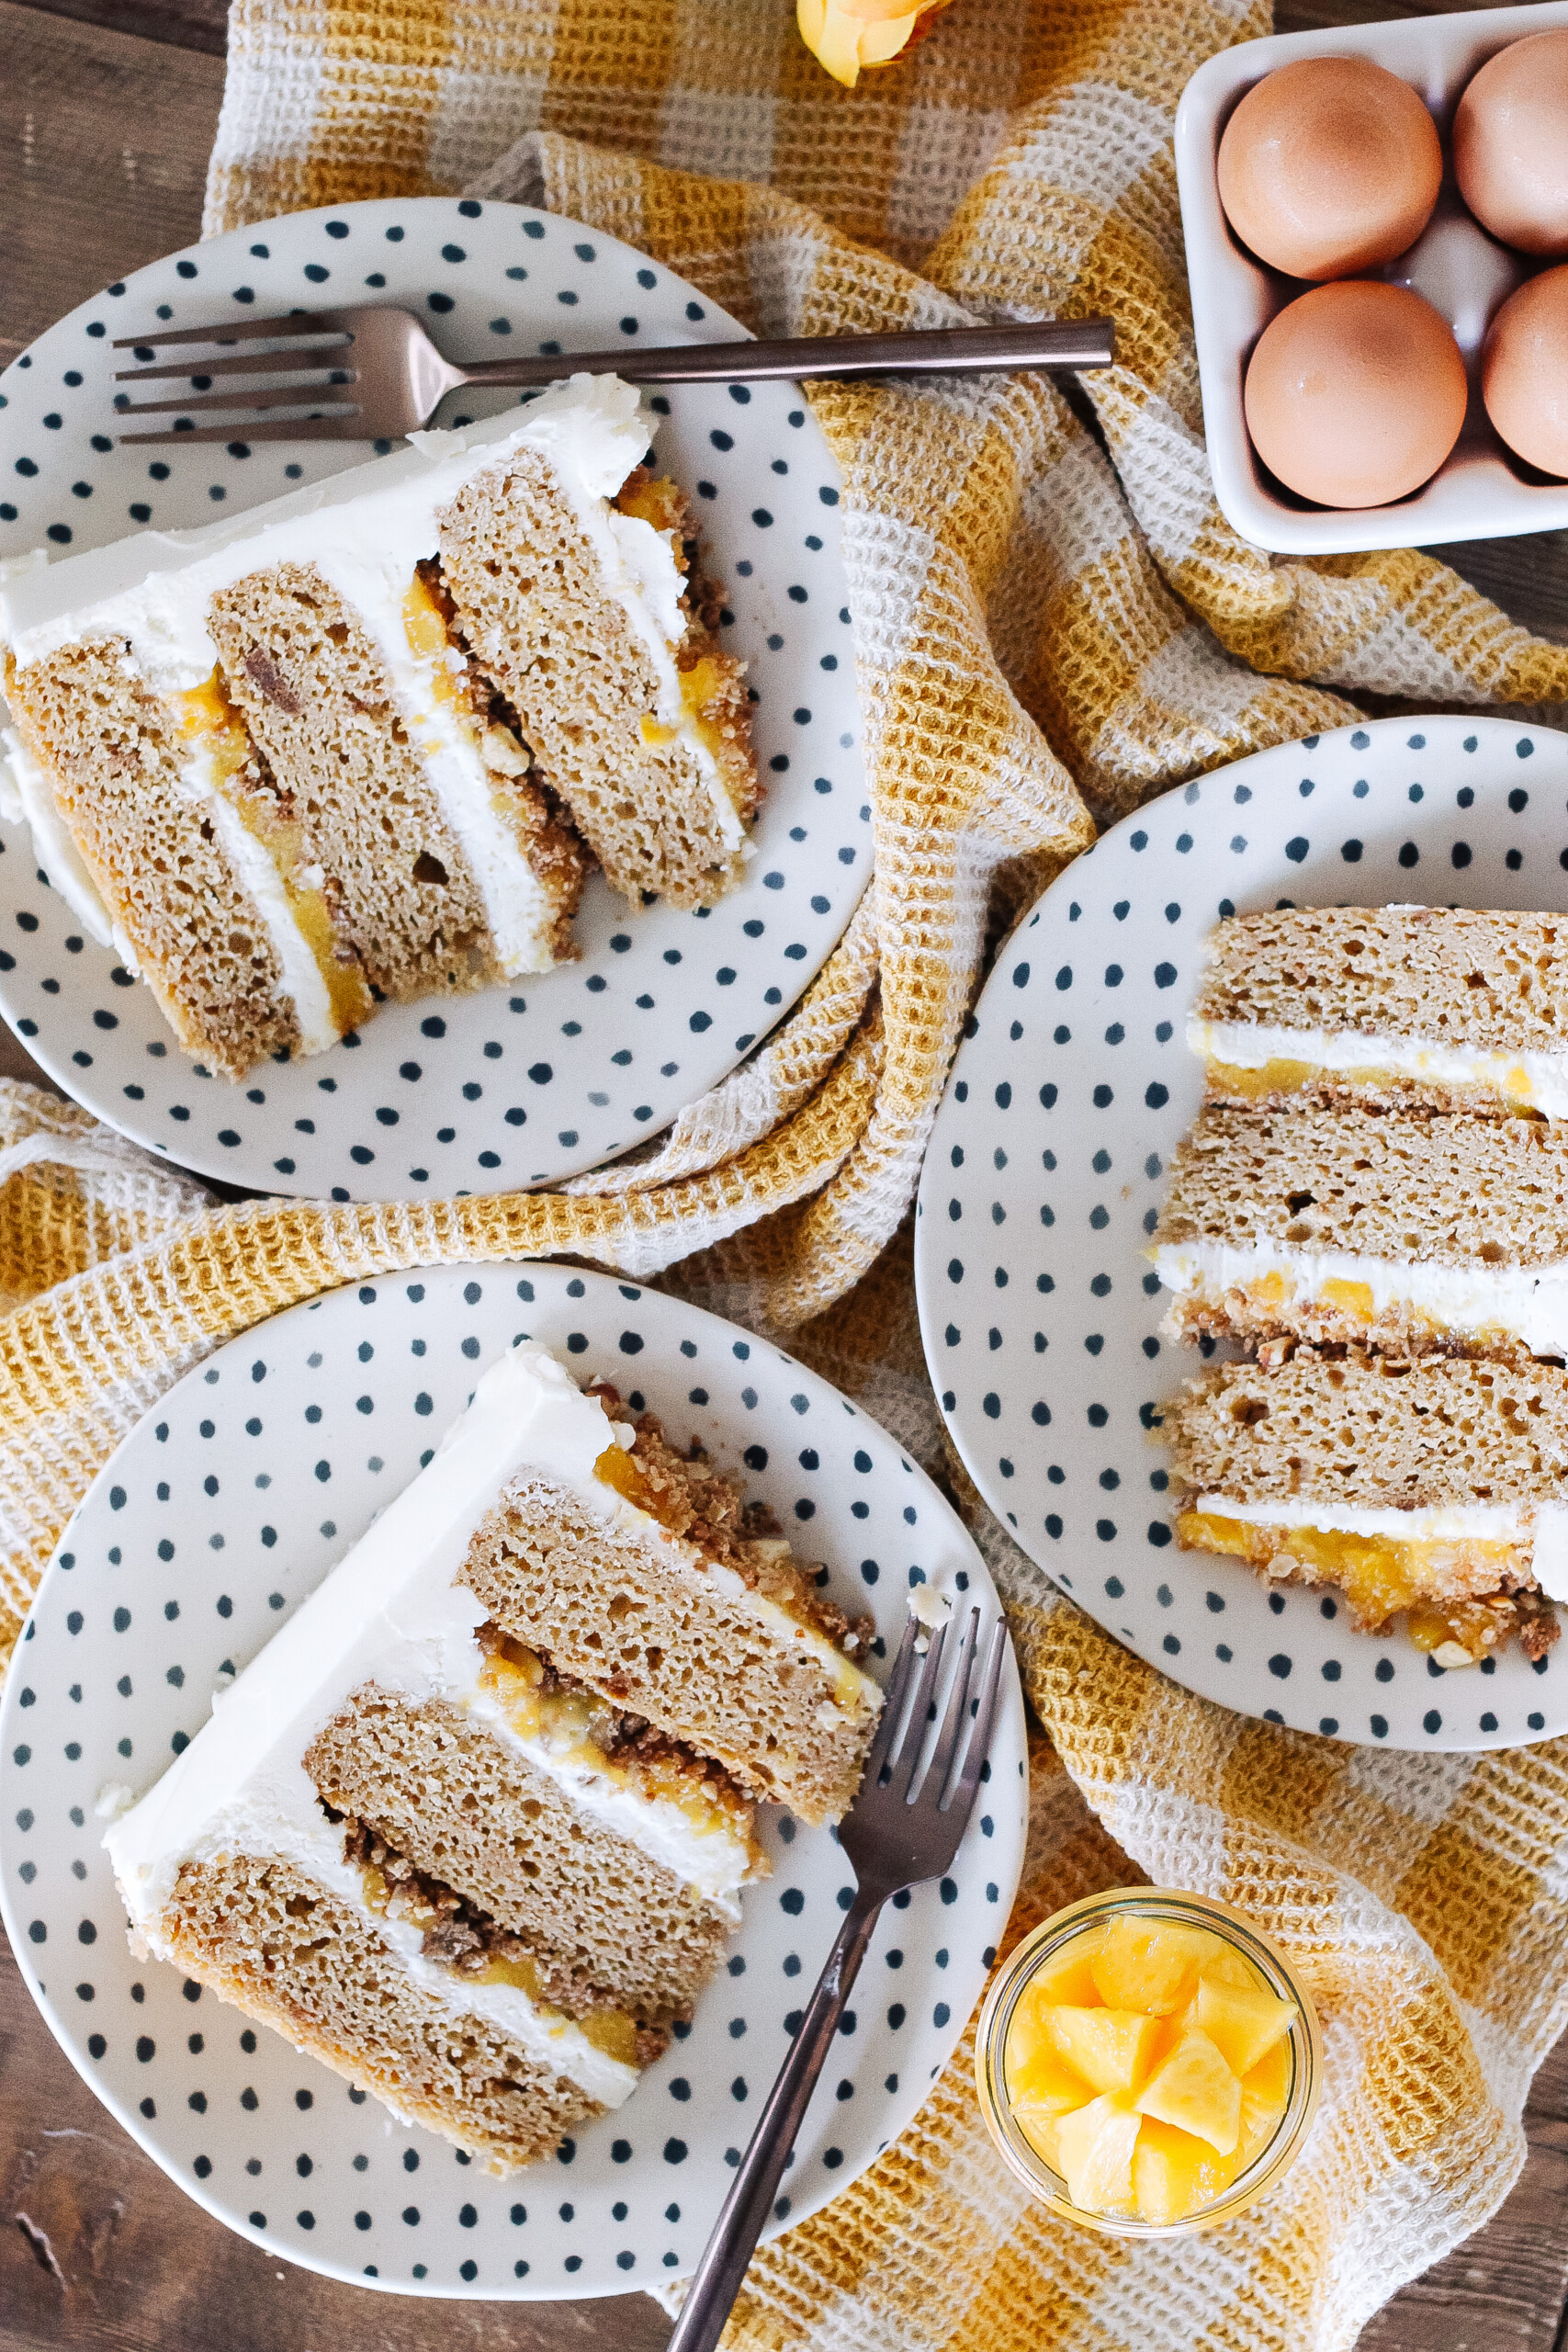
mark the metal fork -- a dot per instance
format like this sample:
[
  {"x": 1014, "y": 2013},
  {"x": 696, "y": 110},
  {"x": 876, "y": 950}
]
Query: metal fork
[
  {"x": 372, "y": 372},
  {"x": 904, "y": 1825}
]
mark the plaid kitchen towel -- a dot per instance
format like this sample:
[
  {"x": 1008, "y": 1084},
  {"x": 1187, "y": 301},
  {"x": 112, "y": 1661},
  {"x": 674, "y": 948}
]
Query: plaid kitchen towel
[
  {"x": 1422, "y": 1897},
  {"x": 1051, "y": 622}
]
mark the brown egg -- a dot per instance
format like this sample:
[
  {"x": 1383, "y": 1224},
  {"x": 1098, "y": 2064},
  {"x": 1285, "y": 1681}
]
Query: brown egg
[
  {"x": 1355, "y": 393},
  {"x": 1330, "y": 166},
  {"x": 1511, "y": 144},
  {"x": 1524, "y": 371}
]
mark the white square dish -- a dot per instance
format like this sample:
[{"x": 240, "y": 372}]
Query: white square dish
[{"x": 1483, "y": 491}]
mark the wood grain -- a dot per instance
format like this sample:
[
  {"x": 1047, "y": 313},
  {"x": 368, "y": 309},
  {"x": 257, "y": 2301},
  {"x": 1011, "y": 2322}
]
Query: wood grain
[
  {"x": 107, "y": 109},
  {"x": 185, "y": 24},
  {"x": 1505, "y": 2288},
  {"x": 104, "y": 140},
  {"x": 98, "y": 2248}
]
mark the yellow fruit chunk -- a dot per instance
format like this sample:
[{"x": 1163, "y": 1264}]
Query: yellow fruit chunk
[
  {"x": 1194, "y": 2089},
  {"x": 1144, "y": 1964},
  {"x": 1096, "y": 2151},
  {"x": 1027, "y": 2037},
  {"x": 1111, "y": 2049},
  {"x": 1243, "y": 2024},
  {"x": 1265, "y": 2092},
  {"x": 1042, "y": 2081},
  {"x": 1043, "y": 2132},
  {"x": 1229, "y": 1967},
  {"x": 1068, "y": 1974},
  {"x": 1175, "y": 2176}
]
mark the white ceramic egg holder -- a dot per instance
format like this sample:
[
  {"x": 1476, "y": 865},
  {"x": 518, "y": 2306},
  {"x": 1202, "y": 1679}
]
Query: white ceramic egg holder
[{"x": 1482, "y": 490}]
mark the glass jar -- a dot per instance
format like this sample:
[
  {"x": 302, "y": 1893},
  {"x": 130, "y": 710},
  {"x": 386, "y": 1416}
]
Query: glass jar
[{"x": 1166, "y": 1906}]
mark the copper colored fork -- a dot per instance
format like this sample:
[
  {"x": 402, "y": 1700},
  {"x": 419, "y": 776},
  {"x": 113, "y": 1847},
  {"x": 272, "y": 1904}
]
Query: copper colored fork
[
  {"x": 904, "y": 1825},
  {"x": 372, "y": 373}
]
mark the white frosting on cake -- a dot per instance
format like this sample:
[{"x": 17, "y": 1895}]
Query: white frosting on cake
[
  {"x": 1530, "y": 1303},
  {"x": 27, "y": 798},
  {"x": 1537, "y": 1081},
  {"x": 391, "y": 1613},
  {"x": 365, "y": 530},
  {"x": 253, "y": 862},
  {"x": 714, "y": 1859},
  {"x": 1540, "y": 1529}
]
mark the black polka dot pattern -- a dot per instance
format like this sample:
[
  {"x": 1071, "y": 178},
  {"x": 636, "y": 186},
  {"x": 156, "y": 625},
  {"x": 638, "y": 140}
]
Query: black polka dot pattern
[
  {"x": 224, "y": 1510},
  {"x": 1047, "y": 1165},
  {"x": 635, "y": 1032}
]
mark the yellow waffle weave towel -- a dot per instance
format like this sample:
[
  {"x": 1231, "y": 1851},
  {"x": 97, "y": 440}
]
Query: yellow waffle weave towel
[
  {"x": 1048, "y": 620},
  {"x": 1422, "y": 1897}
]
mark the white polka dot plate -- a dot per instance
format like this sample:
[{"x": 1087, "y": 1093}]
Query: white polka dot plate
[
  {"x": 561, "y": 1072},
  {"x": 217, "y": 1516},
  {"x": 1038, "y": 1306}
]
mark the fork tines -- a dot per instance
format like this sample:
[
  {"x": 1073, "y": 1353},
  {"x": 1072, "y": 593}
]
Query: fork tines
[
  {"x": 971, "y": 1700},
  {"x": 294, "y": 325},
  {"x": 315, "y": 340}
]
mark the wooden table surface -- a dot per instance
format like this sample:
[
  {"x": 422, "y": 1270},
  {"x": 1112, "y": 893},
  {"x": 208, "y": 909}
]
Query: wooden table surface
[{"x": 107, "y": 109}]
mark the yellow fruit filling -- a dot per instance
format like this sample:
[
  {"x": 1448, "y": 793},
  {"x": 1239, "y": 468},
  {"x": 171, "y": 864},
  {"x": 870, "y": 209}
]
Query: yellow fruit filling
[
  {"x": 210, "y": 719},
  {"x": 702, "y": 685},
  {"x": 1285, "y": 1077},
  {"x": 612, "y": 2031},
  {"x": 1354, "y": 1299},
  {"x": 1148, "y": 2063},
  {"x": 424, "y": 626},
  {"x": 208, "y": 716},
  {"x": 652, "y": 499},
  {"x": 617, "y": 1468},
  {"x": 1379, "y": 1575},
  {"x": 566, "y": 1719}
]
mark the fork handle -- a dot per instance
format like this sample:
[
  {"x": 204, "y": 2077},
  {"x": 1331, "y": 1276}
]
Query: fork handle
[
  {"x": 923, "y": 351},
  {"x": 717, "y": 2280}
]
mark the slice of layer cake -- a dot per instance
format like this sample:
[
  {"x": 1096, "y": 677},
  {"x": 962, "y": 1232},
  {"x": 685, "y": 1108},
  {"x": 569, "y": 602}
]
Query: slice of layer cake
[
  {"x": 1442, "y": 1007},
  {"x": 1439, "y": 1489},
  {"x": 639, "y": 1574},
  {"x": 423, "y": 1846},
  {"x": 360, "y": 742},
  {"x": 1405, "y": 1232}
]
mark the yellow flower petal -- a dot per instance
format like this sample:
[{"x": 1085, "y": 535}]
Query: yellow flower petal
[
  {"x": 880, "y": 42},
  {"x": 832, "y": 39}
]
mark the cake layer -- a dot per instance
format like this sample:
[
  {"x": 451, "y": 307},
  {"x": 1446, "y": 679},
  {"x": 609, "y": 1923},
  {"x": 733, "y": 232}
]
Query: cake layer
[
  {"x": 538, "y": 1859},
  {"x": 466, "y": 1810},
  {"x": 268, "y": 1936},
  {"x": 433, "y": 885},
  {"x": 1440, "y": 1486},
  {"x": 1442, "y": 1007},
  {"x": 391, "y": 1620},
  {"x": 1431, "y": 1435},
  {"x": 641, "y": 1580},
  {"x": 192, "y": 896},
  {"x": 640, "y": 729},
  {"x": 1405, "y": 1232},
  {"x": 682, "y": 1810},
  {"x": 358, "y": 711}
]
